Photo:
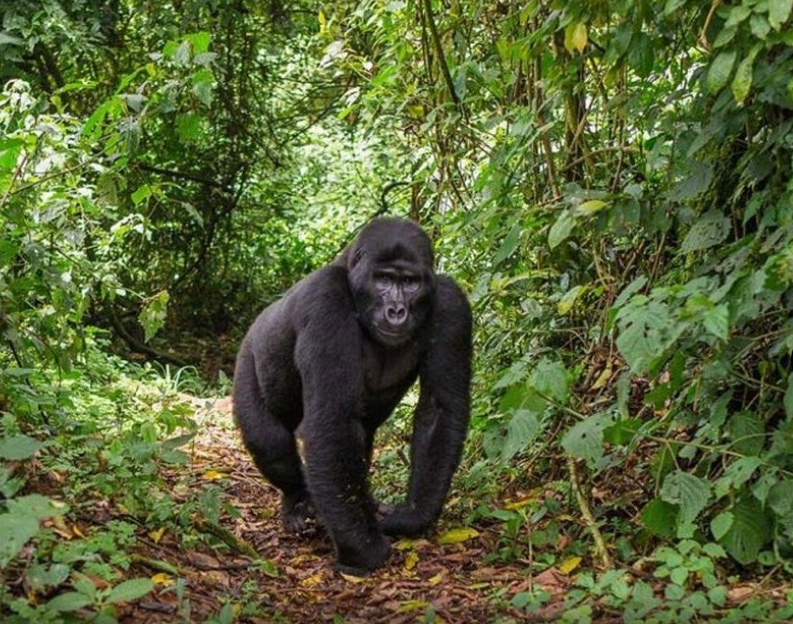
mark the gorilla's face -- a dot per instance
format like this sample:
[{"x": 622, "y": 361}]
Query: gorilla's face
[{"x": 393, "y": 284}]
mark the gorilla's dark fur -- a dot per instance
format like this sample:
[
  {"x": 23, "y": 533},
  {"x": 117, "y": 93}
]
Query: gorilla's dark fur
[{"x": 321, "y": 369}]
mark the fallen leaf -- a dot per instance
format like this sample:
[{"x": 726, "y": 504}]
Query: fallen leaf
[
  {"x": 438, "y": 578},
  {"x": 353, "y": 579},
  {"x": 313, "y": 580},
  {"x": 569, "y": 564},
  {"x": 156, "y": 535},
  {"x": 521, "y": 502},
  {"x": 552, "y": 581},
  {"x": 456, "y": 536},
  {"x": 740, "y": 593},
  {"x": 412, "y": 605},
  {"x": 211, "y": 475},
  {"x": 411, "y": 560},
  {"x": 162, "y": 579}
]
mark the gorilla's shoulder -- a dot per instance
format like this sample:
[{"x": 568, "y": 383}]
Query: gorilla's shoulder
[
  {"x": 450, "y": 295},
  {"x": 323, "y": 290}
]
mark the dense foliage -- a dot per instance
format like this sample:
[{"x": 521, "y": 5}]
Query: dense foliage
[{"x": 610, "y": 180}]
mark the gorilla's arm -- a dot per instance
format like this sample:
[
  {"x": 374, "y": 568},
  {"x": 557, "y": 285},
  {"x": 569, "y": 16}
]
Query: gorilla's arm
[
  {"x": 328, "y": 356},
  {"x": 441, "y": 418}
]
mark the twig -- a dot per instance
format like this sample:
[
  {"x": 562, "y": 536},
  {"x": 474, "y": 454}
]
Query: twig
[
  {"x": 600, "y": 545},
  {"x": 703, "y": 37},
  {"x": 436, "y": 40}
]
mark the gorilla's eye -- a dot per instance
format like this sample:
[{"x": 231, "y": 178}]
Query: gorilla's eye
[
  {"x": 383, "y": 281},
  {"x": 411, "y": 284}
]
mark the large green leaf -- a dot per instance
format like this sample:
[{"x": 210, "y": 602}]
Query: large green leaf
[
  {"x": 584, "y": 440},
  {"x": 19, "y": 447},
  {"x": 659, "y": 517},
  {"x": 130, "y": 590},
  {"x": 709, "y": 230},
  {"x": 779, "y": 12},
  {"x": 561, "y": 229},
  {"x": 691, "y": 493},
  {"x": 522, "y": 429},
  {"x": 749, "y": 531}
]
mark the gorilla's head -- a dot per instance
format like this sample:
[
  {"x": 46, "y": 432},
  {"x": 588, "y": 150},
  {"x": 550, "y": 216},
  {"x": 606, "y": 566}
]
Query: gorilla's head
[{"x": 391, "y": 279}]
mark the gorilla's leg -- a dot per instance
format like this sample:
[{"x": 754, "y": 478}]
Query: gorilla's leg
[{"x": 272, "y": 447}]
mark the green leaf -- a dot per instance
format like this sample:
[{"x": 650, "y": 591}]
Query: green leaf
[
  {"x": 510, "y": 244},
  {"x": 746, "y": 433},
  {"x": 561, "y": 229},
  {"x": 749, "y": 531},
  {"x": 788, "y": 400},
  {"x": 15, "y": 531},
  {"x": 688, "y": 491},
  {"x": 778, "y": 12},
  {"x": 458, "y": 535},
  {"x": 549, "y": 378},
  {"x": 709, "y": 230},
  {"x": 143, "y": 193},
  {"x": 720, "y": 70},
  {"x": 130, "y": 590},
  {"x": 568, "y": 300},
  {"x": 721, "y": 524},
  {"x": 659, "y": 517},
  {"x": 575, "y": 36},
  {"x": 737, "y": 473},
  {"x": 152, "y": 316},
  {"x": 584, "y": 440},
  {"x": 717, "y": 321},
  {"x": 522, "y": 429},
  {"x": 742, "y": 83},
  {"x": 593, "y": 206},
  {"x": 70, "y": 601},
  {"x": 641, "y": 55},
  {"x": 15, "y": 448},
  {"x": 622, "y": 432}
]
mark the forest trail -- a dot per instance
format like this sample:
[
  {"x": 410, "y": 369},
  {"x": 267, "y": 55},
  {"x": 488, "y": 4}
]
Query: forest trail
[{"x": 301, "y": 584}]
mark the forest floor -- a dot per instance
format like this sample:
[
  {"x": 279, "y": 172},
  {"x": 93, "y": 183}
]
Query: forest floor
[{"x": 293, "y": 579}]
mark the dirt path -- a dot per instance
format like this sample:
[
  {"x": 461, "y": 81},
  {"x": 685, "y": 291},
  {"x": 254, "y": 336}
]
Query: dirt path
[{"x": 301, "y": 585}]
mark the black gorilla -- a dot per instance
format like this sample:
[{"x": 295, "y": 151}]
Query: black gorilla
[{"x": 320, "y": 370}]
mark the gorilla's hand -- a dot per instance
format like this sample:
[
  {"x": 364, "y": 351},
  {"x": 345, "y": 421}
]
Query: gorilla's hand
[{"x": 404, "y": 520}]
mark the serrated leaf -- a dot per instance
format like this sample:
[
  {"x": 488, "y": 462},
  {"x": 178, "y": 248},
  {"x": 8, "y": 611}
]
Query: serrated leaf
[
  {"x": 18, "y": 447},
  {"x": 584, "y": 440},
  {"x": 689, "y": 492},
  {"x": 720, "y": 70},
  {"x": 659, "y": 517},
  {"x": 549, "y": 378},
  {"x": 709, "y": 230},
  {"x": 130, "y": 590},
  {"x": 457, "y": 536},
  {"x": 522, "y": 429},
  {"x": 746, "y": 433},
  {"x": 561, "y": 229},
  {"x": 749, "y": 531}
]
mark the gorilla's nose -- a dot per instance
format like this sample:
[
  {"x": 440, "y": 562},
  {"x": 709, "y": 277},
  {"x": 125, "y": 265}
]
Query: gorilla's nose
[{"x": 396, "y": 314}]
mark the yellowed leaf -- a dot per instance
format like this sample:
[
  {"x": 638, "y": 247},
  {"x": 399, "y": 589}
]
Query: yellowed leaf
[
  {"x": 575, "y": 36},
  {"x": 311, "y": 581},
  {"x": 212, "y": 475},
  {"x": 569, "y": 564},
  {"x": 413, "y": 605},
  {"x": 521, "y": 502},
  {"x": 604, "y": 377},
  {"x": 411, "y": 560},
  {"x": 458, "y": 535},
  {"x": 157, "y": 534},
  {"x": 352, "y": 578},
  {"x": 77, "y": 531},
  {"x": 405, "y": 544},
  {"x": 438, "y": 578},
  {"x": 162, "y": 579}
]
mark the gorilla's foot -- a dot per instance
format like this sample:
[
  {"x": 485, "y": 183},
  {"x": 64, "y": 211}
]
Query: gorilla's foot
[{"x": 297, "y": 513}]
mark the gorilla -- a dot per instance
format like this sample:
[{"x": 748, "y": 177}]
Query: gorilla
[{"x": 323, "y": 367}]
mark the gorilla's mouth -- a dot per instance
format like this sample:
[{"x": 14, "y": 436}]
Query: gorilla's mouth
[{"x": 391, "y": 335}]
